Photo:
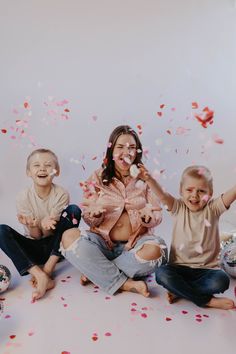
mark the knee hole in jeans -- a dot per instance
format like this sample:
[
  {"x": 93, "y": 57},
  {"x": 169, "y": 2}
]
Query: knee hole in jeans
[{"x": 148, "y": 252}]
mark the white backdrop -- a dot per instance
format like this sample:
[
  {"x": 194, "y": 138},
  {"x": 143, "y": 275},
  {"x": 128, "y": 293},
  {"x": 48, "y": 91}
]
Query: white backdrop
[{"x": 73, "y": 70}]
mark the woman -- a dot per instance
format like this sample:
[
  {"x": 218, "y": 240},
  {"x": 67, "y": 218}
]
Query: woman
[{"x": 120, "y": 246}]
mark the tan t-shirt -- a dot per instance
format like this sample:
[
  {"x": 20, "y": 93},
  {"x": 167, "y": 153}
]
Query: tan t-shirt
[
  {"x": 28, "y": 203},
  {"x": 195, "y": 238}
]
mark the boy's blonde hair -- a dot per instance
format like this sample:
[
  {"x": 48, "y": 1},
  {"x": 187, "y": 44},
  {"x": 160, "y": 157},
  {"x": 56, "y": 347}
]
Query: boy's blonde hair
[
  {"x": 43, "y": 151},
  {"x": 198, "y": 171}
]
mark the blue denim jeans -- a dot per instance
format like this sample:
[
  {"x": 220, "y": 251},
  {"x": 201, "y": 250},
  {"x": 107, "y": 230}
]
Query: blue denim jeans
[
  {"x": 26, "y": 252},
  {"x": 109, "y": 269},
  {"x": 195, "y": 284}
]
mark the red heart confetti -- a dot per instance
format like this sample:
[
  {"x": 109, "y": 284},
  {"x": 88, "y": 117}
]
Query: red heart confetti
[
  {"x": 144, "y": 315},
  {"x": 12, "y": 336},
  {"x": 3, "y": 131},
  {"x": 94, "y": 338},
  {"x": 168, "y": 319},
  {"x": 184, "y": 312}
]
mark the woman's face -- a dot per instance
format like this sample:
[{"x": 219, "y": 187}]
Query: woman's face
[{"x": 124, "y": 152}]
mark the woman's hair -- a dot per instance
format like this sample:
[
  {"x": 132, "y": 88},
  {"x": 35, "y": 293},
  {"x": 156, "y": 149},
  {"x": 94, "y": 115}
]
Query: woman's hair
[
  {"x": 108, "y": 163},
  {"x": 42, "y": 151},
  {"x": 198, "y": 171}
]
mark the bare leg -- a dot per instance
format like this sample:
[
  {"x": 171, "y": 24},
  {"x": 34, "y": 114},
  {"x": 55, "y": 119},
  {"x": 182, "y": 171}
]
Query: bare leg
[
  {"x": 135, "y": 286},
  {"x": 42, "y": 280},
  {"x": 221, "y": 303},
  {"x": 171, "y": 298}
]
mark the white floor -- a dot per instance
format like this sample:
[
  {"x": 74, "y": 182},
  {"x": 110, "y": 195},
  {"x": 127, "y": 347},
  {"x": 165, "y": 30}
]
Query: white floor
[{"x": 83, "y": 320}]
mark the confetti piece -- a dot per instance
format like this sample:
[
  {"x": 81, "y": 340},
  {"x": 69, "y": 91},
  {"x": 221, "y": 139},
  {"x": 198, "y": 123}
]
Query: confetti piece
[
  {"x": 199, "y": 249},
  {"x": 159, "y": 114},
  {"x": 74, "y": 221},
  {"x": 4, "y": 131},
  {"x": 162, "y": 106},
  {"x": 198, "y": 319},
  {"x": 207, "y": 223},
  {"x": 207, "y": 316},
  {"x": 198, "y": 315},
  {"x": 65, "y": 352},
  {"x": 168, "y": 131},
  {"x": 194, "y": 105},
  {"x": 107, "y": 298},
  {"x": 7, "y": 316},
  {"x": 30, "y": 333},
  {"x": 184, "y": 312},
  {"x": 217, "y": 139},
  {"x": 12, "y": 336},
  {"x": 107, "y": 334},
  {"x": 168, "y": 319},
  {"x": 94, "y": 338}
]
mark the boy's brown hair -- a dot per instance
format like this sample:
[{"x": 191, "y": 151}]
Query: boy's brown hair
[
  {"x": 43, "y": 151},
  {"x": 198, "y": 171}
]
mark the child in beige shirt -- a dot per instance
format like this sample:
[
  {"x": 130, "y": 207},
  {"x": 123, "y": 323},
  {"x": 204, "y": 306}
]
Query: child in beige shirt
[
  {"x": 44, "y": 212},
  {"x": 192, "y": 271}
]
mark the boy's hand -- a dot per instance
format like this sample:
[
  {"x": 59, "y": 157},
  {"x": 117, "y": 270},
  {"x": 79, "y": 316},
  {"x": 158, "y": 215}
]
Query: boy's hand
[
  {"x": 144, "y": 174},
  {"x": 146, "y": 213},
  {"x": 28, "y": 220},
  {"x": 48, "y": 223}
]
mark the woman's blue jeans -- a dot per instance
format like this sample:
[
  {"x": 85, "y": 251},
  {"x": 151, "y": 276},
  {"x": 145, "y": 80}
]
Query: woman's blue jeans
[
  {"x": 109, "y": 269},
  {"x": 26, "y": 252},
  {"x": 195, "y": 284}
]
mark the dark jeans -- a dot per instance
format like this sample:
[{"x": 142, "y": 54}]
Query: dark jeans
[
  {"x": 195, "y": 284},
  {"x": 25, "y": 252}
]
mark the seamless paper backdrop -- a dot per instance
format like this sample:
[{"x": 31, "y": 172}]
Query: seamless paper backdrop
[{"x": 73, "y": 70}]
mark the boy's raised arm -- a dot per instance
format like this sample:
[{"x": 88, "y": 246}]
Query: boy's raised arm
[
  {"x": 229, "y": 197},
  {"x": 164, "y": 197}
]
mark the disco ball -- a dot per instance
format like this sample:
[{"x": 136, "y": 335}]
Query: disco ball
[
  {"x": 5, "y": 277},
  {"x": 228, "y": 259}
]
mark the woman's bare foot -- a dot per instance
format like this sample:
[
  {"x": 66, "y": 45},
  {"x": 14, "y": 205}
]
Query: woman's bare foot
[
  {"x": 135, "y": 286},
  {"x": 43, "y": 283},
  {"x": 84, "y": 280},
  {"x": 171, "y": 298},
  {"x": 221, "y": 303}
]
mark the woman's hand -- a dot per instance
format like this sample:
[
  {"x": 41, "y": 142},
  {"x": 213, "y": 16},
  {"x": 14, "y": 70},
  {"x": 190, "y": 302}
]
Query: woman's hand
[
  {"x": 94, "y": 210},
  {"x": 146, "y": 214}
]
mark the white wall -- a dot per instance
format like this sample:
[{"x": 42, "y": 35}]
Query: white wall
[{"x": 116, "y": 62}]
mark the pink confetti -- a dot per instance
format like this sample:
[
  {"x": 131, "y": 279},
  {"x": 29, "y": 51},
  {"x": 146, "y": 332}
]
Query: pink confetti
[
  {"x": 65, "y": 352},
  {"x": 134, "y": 304},
  {"x": 7, "y": 316},
  {"x": 198, "y": 319},
  {"x": 30, "y": 333},
  {"x": 74, "y": 221},
  {"x": 144, "y": 315},
  {"x": 207, "y": 223},
  {"x": 168, "y": 319},
  {"x": 184, "y": 312},
  {"x": 107, "y": 334},
  {"x": 217, "y": 139},
  {"x": 107, "y": 298}
]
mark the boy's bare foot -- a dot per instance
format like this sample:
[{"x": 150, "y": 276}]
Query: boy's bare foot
[
  {"x": 221, "y": 303},
  {"x": 33, "y": 282},
  {"x": 84, "y": 280},
  {"x": 171, "y": 298},
  {"x": 43, "y": 283},
  {"x": 135, "y": 286}
]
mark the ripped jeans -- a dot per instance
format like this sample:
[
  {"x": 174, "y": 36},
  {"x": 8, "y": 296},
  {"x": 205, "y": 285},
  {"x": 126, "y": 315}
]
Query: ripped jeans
[{"x": 109, "y": 269}]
